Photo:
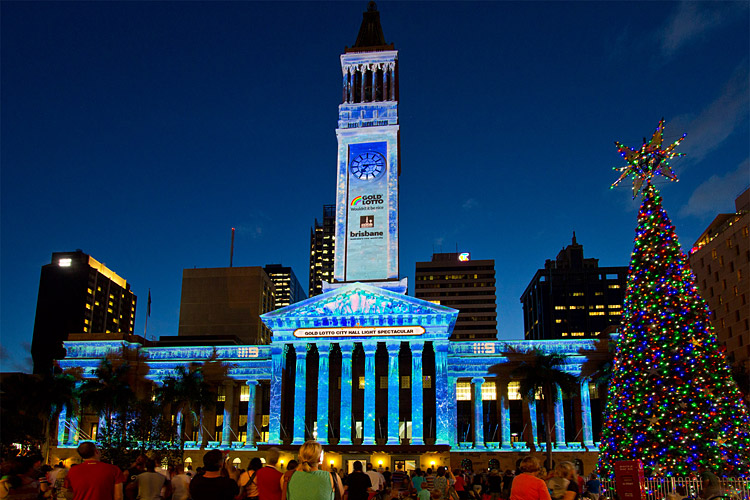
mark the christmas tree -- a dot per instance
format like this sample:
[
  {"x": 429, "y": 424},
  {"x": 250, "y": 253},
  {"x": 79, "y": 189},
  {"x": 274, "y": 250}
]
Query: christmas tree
[{"x": 672, "y": 401}]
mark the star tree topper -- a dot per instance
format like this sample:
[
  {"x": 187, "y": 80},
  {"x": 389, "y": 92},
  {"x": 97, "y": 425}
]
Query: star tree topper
[{"x": 649, "y": 160}]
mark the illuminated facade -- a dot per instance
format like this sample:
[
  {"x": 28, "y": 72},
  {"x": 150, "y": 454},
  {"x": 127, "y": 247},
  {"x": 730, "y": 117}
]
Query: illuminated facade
[
  {"x": 572, "y": 297},
  {"x": 78, "y": 294},
  {"x": 363, "y": 368}
]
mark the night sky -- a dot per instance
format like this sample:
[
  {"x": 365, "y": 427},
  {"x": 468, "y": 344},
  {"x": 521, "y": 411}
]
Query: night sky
[{"x": 143, "y": 132}]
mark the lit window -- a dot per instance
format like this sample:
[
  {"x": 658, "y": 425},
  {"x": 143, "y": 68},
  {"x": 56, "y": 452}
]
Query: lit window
[
  {"x": 221, "y": 395},
  {"x": 85, "y": 329},
  {"x": 614, "y": 313},
  {"x": 514, "y": 391},
  {"x": 426, "y": 382},
  {"x": 489, "y": 391},
  {"x": 558, "y": 321},
  {"x": 463, "y": 391},
  {"x": 593, "y": 391},
  {"x": 86, "y": 321},
  {"x": 244, "y": 395},
  {"x": 614, "y": 306},
  {"x": 598, "y": 294},
  {"x": 599, "y": 306},
  {"x": 219, "y": 419},
  {"x": 577, "y": 294},
  {"x": 88, "y": 306},
  {"x": 576, "y": 334},
  {"x": 90, "y": 291},
  {"x": 564, "y": 334},
  {"x": 361, "y": 384},
  {"x": 96, "y": 302},
  {"x": 405, "y": 382},
  {"x": 64, "y": 262},
  {"x": 596, "y": 313},
  {"x": 559, "y": 308},
  {"x": 614, "y": 286}
]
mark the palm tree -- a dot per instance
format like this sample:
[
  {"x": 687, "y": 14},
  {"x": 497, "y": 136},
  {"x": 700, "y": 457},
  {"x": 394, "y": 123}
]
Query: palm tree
[
  {"x": 61, "y": 392},
  {"x": 539, "y": 371},
  {"x": 187, "y": 393}
]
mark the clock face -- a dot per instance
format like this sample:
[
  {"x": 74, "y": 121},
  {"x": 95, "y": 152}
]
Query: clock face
[{"x": 368, "y": 166}]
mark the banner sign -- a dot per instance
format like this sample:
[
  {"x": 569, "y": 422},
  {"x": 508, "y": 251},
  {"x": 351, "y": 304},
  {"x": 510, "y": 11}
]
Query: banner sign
[{"x": 359, "y": 331}]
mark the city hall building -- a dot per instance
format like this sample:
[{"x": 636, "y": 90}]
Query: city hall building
[{"x": 363, "y": 368}]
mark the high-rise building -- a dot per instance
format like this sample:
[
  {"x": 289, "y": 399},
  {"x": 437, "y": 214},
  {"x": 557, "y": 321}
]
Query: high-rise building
[
  {"x": 78, "y": 294},
  {"x": 286, "y": 287},
  {"x": 226, "y": 301},
  {"x": 454, "y": 280},
  {"x": 573, "y": 297},
  {"x": 322, "y": 247},
  {"x": 720, "y": 260}
]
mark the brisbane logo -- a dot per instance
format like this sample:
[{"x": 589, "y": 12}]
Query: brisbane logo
[{"x": 367, "y": 199}]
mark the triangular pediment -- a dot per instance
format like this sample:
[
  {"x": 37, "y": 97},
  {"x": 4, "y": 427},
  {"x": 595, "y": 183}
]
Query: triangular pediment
[{"x": 359, "y": 299}]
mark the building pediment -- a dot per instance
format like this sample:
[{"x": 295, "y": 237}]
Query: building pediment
[{"x": 359, "y": 305}]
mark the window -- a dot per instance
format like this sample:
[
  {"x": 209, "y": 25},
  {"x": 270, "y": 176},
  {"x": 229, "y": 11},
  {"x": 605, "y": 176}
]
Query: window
[
  {"x": 729, "y": 242},
  {"x": 713, "y": 256},
  {"x": 463, "y": 391},
  {"x": 558, "y": 321},
  {"x": 614, "y": 286},
  {"x": 489, "y": 391},
  {"x": 405, "y": 382},
  {"x": 577, "y": 334},
  {"x": 514, "y": 391},
  {"x": 559, "y": 308},
  {"x": 427, "y": 382},
  {"x": 361, "y": 383},
  {"x": 244, "y": 394},
  {"x": 384, "y": 382},
  {"x": 614, "y": 306},
  {"x": 221, "y": 394},
  {"x": 596, "y": 313}
]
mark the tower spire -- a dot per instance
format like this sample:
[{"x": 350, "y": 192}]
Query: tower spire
[{"x": 370, "y": 36}]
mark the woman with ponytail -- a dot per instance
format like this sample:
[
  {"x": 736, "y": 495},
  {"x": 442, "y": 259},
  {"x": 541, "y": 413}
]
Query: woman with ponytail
[{"x": 309, "y": 482}]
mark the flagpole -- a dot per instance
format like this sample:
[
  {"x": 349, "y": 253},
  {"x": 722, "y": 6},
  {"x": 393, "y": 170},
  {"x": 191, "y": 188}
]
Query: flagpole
[{"x": 148, "y": 313}]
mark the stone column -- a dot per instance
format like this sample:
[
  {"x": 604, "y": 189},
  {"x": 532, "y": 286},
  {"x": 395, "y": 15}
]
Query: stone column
[
  {"x": 278, "y": 358},
  {"x": 503, "y": 404},
  {"x": 417, "y": 398},
  {"x": 532, "y": 421},
  {"x": 478, "y": 413},
  {"x": 352, "y": 82},
  {"x": 374, "y": 82},
  {"x": 178, "y": 421},
  {"x": 442, "y": 395},
  {"x": 62, "y": 420},
  {"x": 385, "y": 98},
  {"x": 345, "y": 96},
  {"x": 345, "y": 427},
  {"x": 453, "y": 414},
  {"x": 226, "y": 429},
  {"x": 393, "y": 81},
  {"x": 559, "y": 419},
  {"x": 393, "y": 392},
  {"x": 73, "y": 429},
  {"x": 324, "y": 351},
  {"x": 369, "y": 420},
  {"x": 363, "y": 70},
  {"x": 251, "y": 392},
  {"x": 588, "y": 436},
  {"x": 201, "y": 419},
  {"x": 300, "y": 388}
]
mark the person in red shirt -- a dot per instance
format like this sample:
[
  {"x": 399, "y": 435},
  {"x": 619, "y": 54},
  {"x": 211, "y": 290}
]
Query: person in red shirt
[
  {"x": 93, "y": 479},
  {"x": 526, "y": 486},
  {"x": 268, "y": 478}
]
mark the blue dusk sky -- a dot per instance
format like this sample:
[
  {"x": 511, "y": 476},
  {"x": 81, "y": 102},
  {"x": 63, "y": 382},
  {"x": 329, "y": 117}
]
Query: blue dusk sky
[{"x": 142, "y": 132}]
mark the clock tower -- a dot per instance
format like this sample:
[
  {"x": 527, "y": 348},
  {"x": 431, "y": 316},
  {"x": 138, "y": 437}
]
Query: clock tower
[{"x": 368, "y": 162}]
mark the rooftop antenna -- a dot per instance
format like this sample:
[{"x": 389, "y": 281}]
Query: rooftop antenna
[{"x": 231, "y": 250}]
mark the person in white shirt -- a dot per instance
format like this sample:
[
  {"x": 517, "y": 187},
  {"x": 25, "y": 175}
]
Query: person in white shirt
[{"x": 376, "y": 478}]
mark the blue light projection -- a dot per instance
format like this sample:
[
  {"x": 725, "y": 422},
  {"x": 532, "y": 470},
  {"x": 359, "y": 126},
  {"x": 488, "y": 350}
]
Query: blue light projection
[
  {"x": 278, "y": 356},
  {"x": 478, "y": 413},
  {"x": 300, "y": 388},
  {"x": 532, "y": 417},
  {"x": 443, "y": 397},
  {"x": 417, "y": 394},
  {"x": 345, "y": 428},
  {"x": 324, "y": 355},
  {"x": 369, "y": 417},
  {"x": 504, "y": 403},
  {"x": 393, "y": 392},
  {"x": 559, "y": 420},
  {"x": 250, "y": 440},
  {"x": 588, "y": 436}
]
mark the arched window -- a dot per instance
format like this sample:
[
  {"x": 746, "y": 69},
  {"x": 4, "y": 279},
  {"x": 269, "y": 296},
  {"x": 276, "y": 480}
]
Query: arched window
[
  {"x": 237, "y": 462},
  {"x": 466, "y": 464},
  {"x": 494, "y": 463}
]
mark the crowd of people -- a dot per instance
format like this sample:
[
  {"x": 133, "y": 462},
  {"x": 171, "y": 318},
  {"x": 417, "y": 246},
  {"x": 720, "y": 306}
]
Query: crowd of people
[{"x": 307, "y": 478}]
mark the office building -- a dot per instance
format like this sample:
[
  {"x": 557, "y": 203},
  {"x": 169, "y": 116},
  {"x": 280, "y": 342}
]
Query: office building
[
  {"x": 572, "y": 297},
  {"x": 286, "y": 288},
  {"x": 78, "y": 294},
  {"x": 322, "y": 247},
  {"x": 226, "y": 301},
  {"x": 720, "y": 260},
  {"x": 457, "y": 281}
]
